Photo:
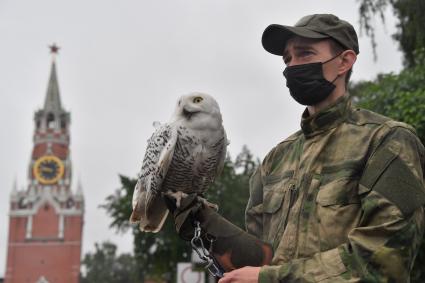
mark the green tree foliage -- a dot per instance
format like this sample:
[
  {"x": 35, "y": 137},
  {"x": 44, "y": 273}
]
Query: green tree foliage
[
  {"x": 410, "y": 32},
  {"x": 157, "y": 254},
  {"x": 401, "y": 97},
  {"x": 105, "y": 266}
]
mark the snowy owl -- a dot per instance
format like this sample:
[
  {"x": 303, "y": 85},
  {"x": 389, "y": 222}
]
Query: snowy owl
[{"x": 183, "y": 156}]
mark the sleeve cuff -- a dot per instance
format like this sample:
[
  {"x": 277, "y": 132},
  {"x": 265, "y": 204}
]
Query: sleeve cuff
[{"x": 272, "y": 274}]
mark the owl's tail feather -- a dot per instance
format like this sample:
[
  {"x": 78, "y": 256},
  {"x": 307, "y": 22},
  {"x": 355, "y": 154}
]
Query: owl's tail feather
[
  {"x": 155, "y": 213},
  {"x": 138, "y": 208}
]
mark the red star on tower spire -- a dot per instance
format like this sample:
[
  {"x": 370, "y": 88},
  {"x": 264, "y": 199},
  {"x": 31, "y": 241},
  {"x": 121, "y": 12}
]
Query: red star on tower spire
[{"x": 54, "y": 49}]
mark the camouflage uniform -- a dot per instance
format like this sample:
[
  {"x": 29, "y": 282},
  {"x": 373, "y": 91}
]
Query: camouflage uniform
[{"x": 341, "y": 200}]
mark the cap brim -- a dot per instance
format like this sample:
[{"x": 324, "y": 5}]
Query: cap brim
[{"x": 275, "y": 37}]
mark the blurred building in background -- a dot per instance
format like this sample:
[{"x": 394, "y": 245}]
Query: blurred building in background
[{"x": 46, "y": 218}]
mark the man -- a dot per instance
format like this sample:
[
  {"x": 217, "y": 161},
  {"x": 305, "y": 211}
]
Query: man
[{"x": 342, "y": 199}]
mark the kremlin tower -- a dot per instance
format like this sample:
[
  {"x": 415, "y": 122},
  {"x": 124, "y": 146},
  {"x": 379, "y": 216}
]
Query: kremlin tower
[{"x": 46, "y": 219}]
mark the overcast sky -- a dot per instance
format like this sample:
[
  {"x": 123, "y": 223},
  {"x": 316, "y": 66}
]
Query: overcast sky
[{"x": 123, "y": 64}]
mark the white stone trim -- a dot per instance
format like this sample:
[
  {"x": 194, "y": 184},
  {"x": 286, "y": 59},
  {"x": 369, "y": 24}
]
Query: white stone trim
[
  {"x": 28, "y": 233},
  {"x": 61, "y": 226},
  {"x": 42, "y": 279},
  {"x": 46, "y": 196},
  {"x": 26, "y": 212},
  {"x": 53, "y": 242}
]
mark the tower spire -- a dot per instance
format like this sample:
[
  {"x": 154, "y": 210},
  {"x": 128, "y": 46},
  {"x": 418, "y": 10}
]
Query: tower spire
[
  {"x": 79, "y": 187},
  {"x": 14, "y": 192},
  {"x": 15, "y": 185},
  {"x": 53, "y": 102}
]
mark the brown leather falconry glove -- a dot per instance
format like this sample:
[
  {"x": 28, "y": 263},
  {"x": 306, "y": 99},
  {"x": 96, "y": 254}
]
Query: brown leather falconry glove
[{"x": 232, "y": 247}]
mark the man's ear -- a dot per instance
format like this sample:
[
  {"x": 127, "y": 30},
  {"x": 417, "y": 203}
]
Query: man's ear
[{"x": 348, "y": 58}]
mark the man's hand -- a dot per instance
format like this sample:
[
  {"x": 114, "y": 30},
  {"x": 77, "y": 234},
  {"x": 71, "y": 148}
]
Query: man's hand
[{"x": 247, "y": 274}]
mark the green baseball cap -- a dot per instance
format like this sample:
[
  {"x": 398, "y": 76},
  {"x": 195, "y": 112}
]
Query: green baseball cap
[{"x": 317, "y": 26}]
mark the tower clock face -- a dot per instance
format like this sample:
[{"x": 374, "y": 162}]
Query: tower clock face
[{"x": 48, "y": 169}]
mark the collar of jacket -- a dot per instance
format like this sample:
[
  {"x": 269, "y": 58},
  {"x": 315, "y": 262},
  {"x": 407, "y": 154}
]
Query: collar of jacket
[{"x": 327, "y": 119}]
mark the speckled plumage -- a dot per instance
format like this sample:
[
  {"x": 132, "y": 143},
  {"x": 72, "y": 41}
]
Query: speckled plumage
[{"x": 184, "y": 155}]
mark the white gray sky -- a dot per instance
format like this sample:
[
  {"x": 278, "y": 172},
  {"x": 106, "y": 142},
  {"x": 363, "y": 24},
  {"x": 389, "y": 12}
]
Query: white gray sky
[{"x": 123, "y": 65}]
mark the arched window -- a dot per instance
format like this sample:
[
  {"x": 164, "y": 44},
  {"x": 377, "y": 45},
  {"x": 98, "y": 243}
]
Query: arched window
[
  {"x": 50, "y": 121},
  {"x": 63, "y": 124}
]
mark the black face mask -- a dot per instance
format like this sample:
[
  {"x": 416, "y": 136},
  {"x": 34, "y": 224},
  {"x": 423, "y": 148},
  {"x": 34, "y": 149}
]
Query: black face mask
[{"x": 306, "y": 82}]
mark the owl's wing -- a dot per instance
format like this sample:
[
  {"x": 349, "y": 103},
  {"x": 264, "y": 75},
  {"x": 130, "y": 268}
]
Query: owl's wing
[
  {"x": 222, "y": 147},
  {"x": 149, "y": 210}
]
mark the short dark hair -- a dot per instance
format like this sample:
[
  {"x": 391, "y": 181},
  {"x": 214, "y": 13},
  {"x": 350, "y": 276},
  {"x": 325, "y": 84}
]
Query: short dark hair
[{"x": 337, "y": 48}]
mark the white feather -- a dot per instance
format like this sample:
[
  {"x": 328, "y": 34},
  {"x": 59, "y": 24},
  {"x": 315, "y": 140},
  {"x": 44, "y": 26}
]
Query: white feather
[{"x": 184, "y": 155}]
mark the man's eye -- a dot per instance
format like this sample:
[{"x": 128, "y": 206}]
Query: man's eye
[{"x": 305, "y": 53}]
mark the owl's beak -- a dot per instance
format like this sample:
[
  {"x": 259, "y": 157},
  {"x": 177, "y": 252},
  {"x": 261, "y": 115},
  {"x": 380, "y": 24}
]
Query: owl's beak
[{"x": 187, "y": 113}]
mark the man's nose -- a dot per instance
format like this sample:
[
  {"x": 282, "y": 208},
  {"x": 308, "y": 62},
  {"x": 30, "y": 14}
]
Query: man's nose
[
  {"x": 293, "y": 62},
  {"x": 290, "y": 63}
]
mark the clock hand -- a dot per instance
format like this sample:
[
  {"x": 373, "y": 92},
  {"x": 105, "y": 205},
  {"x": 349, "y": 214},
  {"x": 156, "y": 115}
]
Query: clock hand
[{"x": 47, "y": 170}]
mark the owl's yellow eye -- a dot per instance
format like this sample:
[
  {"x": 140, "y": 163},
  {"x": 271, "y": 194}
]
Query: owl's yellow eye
[{"x": 197, "y": 99}]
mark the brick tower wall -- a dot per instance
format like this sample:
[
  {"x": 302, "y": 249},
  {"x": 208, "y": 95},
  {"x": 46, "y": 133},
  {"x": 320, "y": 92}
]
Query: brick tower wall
[{"x": 57, "y": 259}]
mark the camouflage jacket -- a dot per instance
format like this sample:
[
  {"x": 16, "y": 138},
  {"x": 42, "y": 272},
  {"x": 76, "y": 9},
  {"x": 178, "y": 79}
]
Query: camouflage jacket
[{"x": 341, "y": 200}]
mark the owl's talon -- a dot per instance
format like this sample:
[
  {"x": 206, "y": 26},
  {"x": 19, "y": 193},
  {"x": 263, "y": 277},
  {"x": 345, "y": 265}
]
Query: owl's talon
[{"x": 178, "y": 196}]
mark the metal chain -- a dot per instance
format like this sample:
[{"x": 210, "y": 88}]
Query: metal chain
[{"x": 198, "y": 246}]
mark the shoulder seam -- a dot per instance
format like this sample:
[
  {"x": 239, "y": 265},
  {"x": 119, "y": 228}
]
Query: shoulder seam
[
  {"x": 292, "y": 137},
  {"x": 366, "y": 122},
  {"x": 396, "y": 124},
  {"x": 389, "y": 123}
]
